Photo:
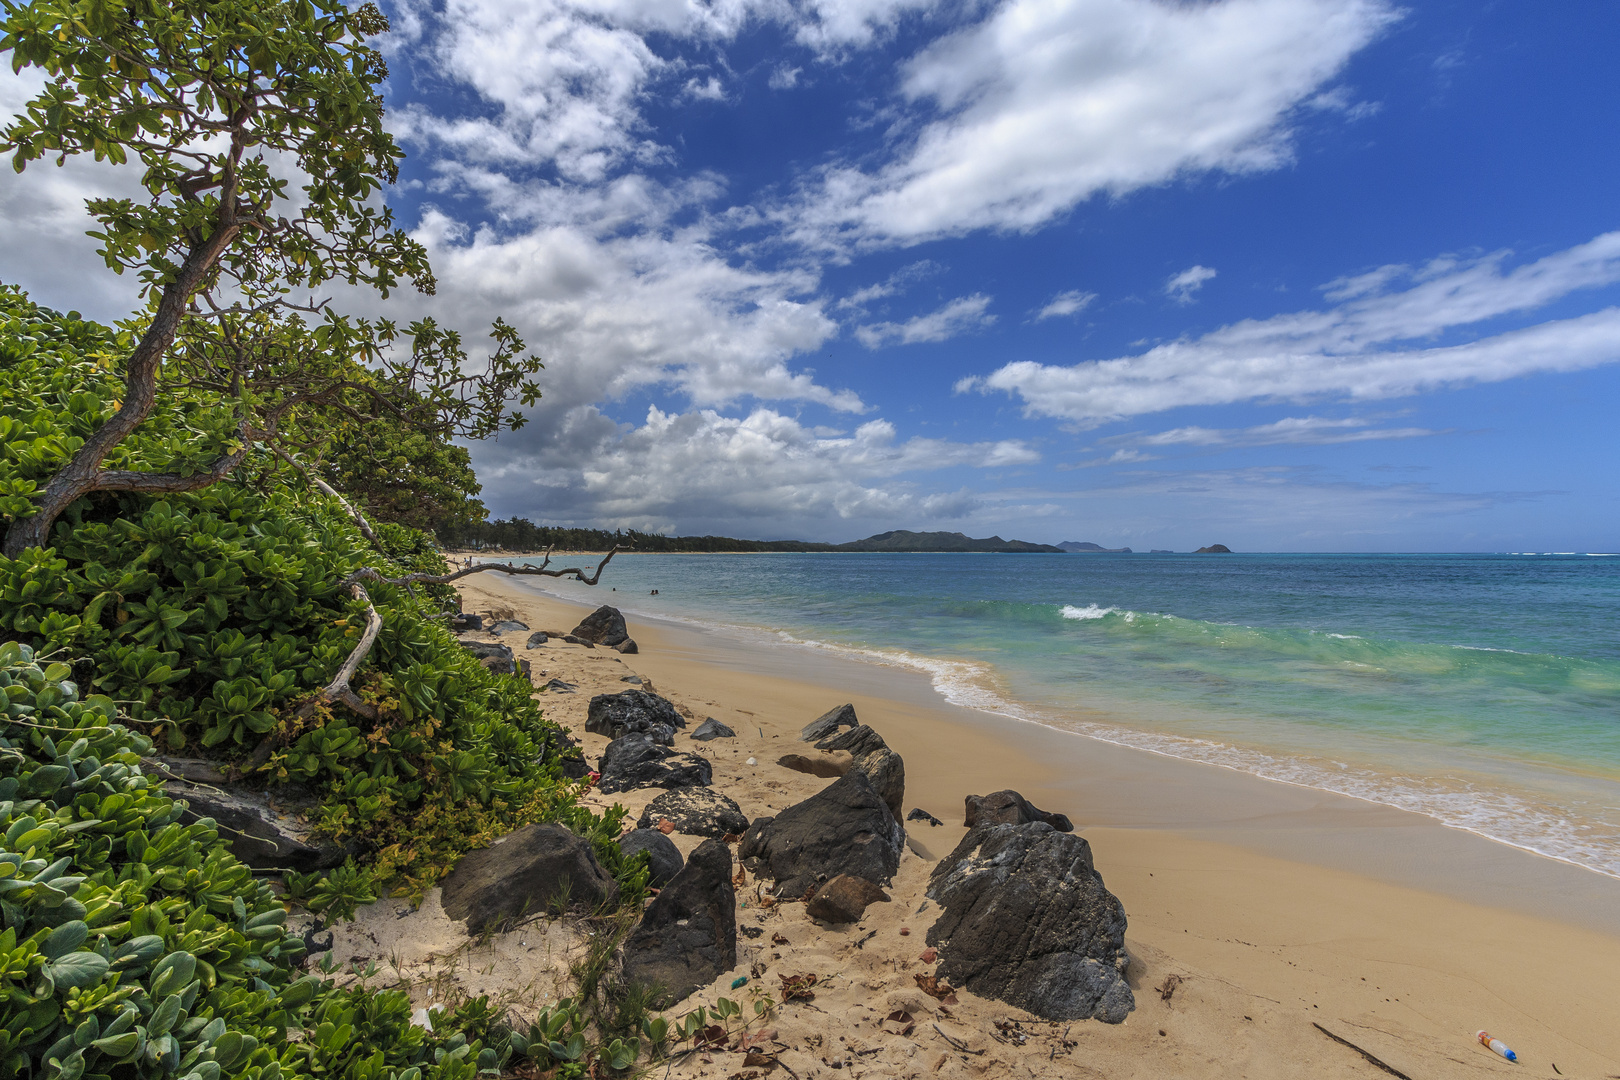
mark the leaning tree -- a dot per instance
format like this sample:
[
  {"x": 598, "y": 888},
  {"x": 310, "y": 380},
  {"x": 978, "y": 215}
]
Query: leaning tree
[{"x": 257, "y": 127}]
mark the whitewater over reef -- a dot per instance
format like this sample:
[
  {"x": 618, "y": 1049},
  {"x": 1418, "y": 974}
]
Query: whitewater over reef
[{"x": 1481, "y": 690}]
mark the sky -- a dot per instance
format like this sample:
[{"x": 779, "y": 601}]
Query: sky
[{"x": 1288, "y": 275}]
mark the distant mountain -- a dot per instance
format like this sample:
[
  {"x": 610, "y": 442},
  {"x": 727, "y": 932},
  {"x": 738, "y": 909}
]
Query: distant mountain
[
  {"x": 1214, "y": 549},
  {"x": 904, "y": 540},
  {"x": 1086, "y": 545}
]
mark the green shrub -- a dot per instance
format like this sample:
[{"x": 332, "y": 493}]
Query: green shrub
[{"x": 213, "y": 617}]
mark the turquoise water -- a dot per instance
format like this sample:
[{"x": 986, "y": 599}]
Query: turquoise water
[{"x": 1482, "y": 690}]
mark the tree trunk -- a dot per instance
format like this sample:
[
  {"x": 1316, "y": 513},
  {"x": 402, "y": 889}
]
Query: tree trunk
[{"x": 82, "y": 473}]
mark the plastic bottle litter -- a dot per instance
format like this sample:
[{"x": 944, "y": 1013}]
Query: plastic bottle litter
[{"x": 1498, "y": 1045}]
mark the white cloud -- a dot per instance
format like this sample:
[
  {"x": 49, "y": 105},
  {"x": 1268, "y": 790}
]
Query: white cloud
[
  {"x": 961, "y": 315},
  {"x": 1046, "y": 103},
  {"x": 1181, "y": 287},
  {"x": 832, "y": 27},
  {"x": 765, "y": 467},
  {"x": 785, "y": 77},
  {"x": 1292, "y": 430},
  {"x": 1363, "y": 349},
  {"x": 1071, "y": 302},
  {"x": 711, "y": 90}
]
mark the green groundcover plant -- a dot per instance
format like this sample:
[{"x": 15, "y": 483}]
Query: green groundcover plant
[{"x": 136, "y": 946}]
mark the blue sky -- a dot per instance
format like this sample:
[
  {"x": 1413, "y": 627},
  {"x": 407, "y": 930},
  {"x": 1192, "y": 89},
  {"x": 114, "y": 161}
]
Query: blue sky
[{"x": 1283, "y": 274}]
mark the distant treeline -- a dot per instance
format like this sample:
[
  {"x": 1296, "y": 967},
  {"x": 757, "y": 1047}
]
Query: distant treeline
[{"x": 521, "y": 534}]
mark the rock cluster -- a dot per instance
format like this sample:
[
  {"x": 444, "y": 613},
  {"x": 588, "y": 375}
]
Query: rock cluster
[{"x": 872, "y": 756}]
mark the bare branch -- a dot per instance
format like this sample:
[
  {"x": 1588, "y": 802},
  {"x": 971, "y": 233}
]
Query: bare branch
[
  {"x": 338, "y": 689},
  {"x": 365, "y": 573}
]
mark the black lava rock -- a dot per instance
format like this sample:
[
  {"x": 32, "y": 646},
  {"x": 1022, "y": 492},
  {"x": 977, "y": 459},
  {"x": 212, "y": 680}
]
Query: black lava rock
[
  {"x": 632, "y": 712},
  {"x": 696, "y": 811},
  {"x": 526, "y": 872},
  {"x": 688, "y": 937},
  {"x": 1028, "y": 921},
  {"x": 636, "y": 761}
]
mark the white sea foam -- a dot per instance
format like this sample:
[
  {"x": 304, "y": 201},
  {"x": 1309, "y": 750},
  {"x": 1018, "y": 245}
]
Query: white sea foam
[{"x": 1090, "y": 611}]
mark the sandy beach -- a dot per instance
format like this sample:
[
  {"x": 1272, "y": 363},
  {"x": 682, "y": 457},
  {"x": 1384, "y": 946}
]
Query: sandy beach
[{"x": 1274, "y": 931}]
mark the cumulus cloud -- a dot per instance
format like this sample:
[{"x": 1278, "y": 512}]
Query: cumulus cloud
[
  {"x": 1071, "y": 302},
  {"x": 1181, "y": 287},
  {"x": 1366, "y": 348},
  {"x": 764, "y": 467},
  {"x": 961, "y": 315},
  {"x": 1044, "y": 104}
]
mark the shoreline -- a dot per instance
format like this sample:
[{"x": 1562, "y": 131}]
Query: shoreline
[{"x": 1293, "y": 894}]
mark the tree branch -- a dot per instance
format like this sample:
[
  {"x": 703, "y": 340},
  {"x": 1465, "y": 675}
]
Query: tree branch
[
  {"x": 365, "y": 573},
  {"x": 338, "y": 689}
]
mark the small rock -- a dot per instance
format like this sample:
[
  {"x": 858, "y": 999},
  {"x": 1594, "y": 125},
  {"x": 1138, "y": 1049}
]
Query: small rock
[
  {"x": 633, "y": 679},
  {"x": 844, "y": 899},
  {"x": 663, "y": 857},
  {"x": 829, "y": 722},
  {"x": 827, "y": 763},
  {"x": 919, "y": 814},
  {"x": 536, "y": 639},
  {"x": 696, "y": 811},
  {"x": 1009, "y": 808},
  {"x": 557, "y": 686},
  {"x": 463, "y": 623},
  {"x": 636, "y": 761},
  {"x": 508, "y": 626},
  {"x": 526, "y": 872},
  {"x": 688, "y": 937},
  {"x": 666, "y": 826},
  {"x": 751, "y": 761},
  {"x": 633, "y": 712},
  {"x": 905, "y": 931},
  {"x": 628, "y": 647},
  {"x": 604, "y": 626},
  {"x": 572, "y": 640},
  {"x": 712, "y": 729},
  {"x": 929, "y": 955}
]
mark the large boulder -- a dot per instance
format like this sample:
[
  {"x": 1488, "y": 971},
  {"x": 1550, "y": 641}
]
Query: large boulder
[
  {"x": 636, "y": 761},
  {"x": 688, "y": 936},
  {"x": 696, "y": 811},
  {"x": 263, "y": 834},
  {"x": 1027, "y": 921},
  {"x": 1009, "y": 808},
  {"x": 604, "y": 626},
  {"x": 712, "y": 729},
  {"x": 846, "y": 828},
  {"x": 531, "y": 871},
  {"x": 829, "y": 722},
  {"x": 663, "y": 857},
  {"x": 633, "y": 711}
]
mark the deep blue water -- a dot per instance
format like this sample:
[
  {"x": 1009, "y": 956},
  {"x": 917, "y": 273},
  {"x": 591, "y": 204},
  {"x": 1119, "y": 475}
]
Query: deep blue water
[{"x": 1481, "y": 689}]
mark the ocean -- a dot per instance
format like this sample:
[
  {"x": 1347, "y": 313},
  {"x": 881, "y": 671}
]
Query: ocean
[{"x": 1480, "y": 690}]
